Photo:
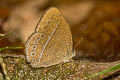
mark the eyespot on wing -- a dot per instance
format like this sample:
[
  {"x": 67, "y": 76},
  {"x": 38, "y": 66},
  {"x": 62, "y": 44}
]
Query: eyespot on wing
[{"x": 34, "y": 46}]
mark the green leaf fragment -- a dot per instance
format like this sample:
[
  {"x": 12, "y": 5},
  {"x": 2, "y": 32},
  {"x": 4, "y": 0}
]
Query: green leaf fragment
[
  {"x": 116, "y": 67},
  {"x": 7, "y": 47}
]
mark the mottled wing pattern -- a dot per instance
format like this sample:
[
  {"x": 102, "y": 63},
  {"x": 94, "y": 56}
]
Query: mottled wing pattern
[{"x": 51, "y": 43}]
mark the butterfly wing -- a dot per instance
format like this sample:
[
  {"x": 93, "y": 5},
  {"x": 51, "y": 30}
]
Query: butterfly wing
[{"x": 54, "y": 44}]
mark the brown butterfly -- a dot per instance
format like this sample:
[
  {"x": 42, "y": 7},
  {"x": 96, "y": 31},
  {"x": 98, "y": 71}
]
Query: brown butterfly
[{"x": 51, "y": 42}]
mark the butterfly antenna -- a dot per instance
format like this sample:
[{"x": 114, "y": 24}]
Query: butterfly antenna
[{"x": 80, "y": 40}]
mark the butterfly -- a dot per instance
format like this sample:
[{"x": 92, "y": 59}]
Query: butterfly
[{"x": 51, "y": 42}]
